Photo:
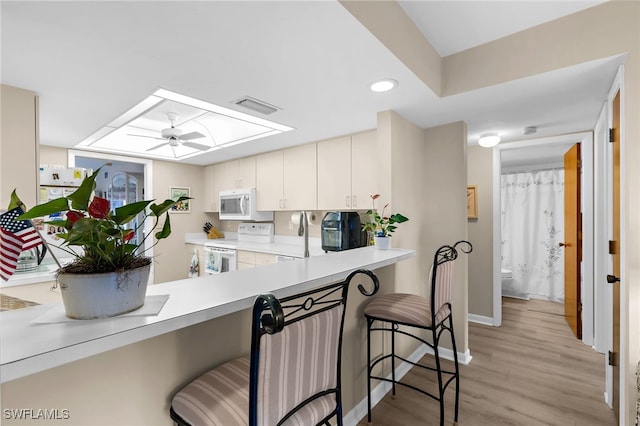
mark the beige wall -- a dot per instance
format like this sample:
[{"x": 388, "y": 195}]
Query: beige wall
[
  {"x": 19, "y": 138},
  {"x": 480, "y": 173},
  {"x": 170, "y": 257}
]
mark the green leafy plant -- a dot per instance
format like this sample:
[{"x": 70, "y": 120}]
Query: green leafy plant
[
  {"x": 379, "y": 224},
  {"x": 104, "y": 236}
]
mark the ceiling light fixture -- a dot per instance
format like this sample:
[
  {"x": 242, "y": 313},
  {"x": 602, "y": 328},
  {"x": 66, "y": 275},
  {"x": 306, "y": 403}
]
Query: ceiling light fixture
[
  {"x": 384, "y": 85},
  {"x": 489, "y": 140}
]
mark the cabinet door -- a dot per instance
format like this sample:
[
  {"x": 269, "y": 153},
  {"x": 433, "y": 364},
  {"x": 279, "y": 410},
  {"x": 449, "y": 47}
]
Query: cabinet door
[
  {"x": 364, "y": 180},
  {"x": 245, "y": 176},
  {"x": 217, "y": 184},
  {"x": 265, "y": 259},
  {"x": 300, "y": 178},
  {"x": 210, "y": 201},
  {"x": 334, "y": 174},
  {"x": 269, "y": 177}
]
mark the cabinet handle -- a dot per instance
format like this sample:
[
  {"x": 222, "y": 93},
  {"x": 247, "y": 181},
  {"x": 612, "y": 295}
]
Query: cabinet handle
[
  {"x": 346, "y": 201},
  {"x": 354, "y": 200},
  {"x": 280, "y": 203},
  {"x": 284, "y": 205}
]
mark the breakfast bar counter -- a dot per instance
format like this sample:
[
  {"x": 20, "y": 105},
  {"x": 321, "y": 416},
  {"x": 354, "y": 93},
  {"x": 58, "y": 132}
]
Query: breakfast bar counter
[{"x": 31, "y": 343}]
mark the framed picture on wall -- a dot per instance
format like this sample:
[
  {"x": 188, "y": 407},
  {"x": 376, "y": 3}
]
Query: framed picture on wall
[
  {"x": 176, "y": 192},
  {"x": 472, "y": 202}
]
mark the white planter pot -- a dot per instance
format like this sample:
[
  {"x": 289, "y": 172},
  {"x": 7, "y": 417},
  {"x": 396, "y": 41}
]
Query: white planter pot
[
  {"x": 383, "y": 243},
  {"x": 91, "y": 296}
]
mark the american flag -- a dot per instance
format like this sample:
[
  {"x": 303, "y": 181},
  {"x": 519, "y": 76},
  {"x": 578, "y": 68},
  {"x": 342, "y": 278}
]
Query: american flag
[{"x": 15, "y": 237}]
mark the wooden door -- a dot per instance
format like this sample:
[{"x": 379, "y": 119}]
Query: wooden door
[
  {"x": 364, "y": 174},
  {"x": 615, "y": 252},
  {"x": 334, "y": 174},
  {"x": 572, "y": 240},
  {"x": 269, "y": 181},
  {"x": 300, "y": 178}
]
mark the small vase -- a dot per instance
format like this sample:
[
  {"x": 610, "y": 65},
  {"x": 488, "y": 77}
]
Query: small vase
[
  {"x": 383, "y": 243},
  {"x": 92, "y": 296}
]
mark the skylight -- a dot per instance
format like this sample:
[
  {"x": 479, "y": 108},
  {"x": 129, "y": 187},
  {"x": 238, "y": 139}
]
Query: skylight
[{"x": 172, "y": 126}]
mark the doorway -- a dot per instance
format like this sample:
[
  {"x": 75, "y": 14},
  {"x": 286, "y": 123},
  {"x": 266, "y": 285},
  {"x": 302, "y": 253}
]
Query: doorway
[
  {"x": 122, "y": 179},
  {"x": 543, "y": 145}
]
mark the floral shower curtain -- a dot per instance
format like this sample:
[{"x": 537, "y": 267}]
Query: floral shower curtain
[{"x": 532, "y": 227}]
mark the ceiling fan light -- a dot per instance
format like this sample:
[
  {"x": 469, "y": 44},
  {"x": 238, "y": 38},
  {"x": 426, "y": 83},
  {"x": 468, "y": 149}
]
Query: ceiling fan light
[{"x": 489, "y": 140}]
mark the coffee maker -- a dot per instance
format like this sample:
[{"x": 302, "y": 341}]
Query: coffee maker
[{"x": 341, "y": 231}]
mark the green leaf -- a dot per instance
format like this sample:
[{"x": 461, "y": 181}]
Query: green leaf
[
  {"x": 53, "y": 206},
  {"x": 166, "y": 229},
  {"x": 15, "y": 201},
  {"x": 127, "y": 213},
  {"x": 159, "y": 209},
  {"x": 80, "y": 197}
]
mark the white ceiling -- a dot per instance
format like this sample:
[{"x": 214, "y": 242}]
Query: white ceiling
[{"x": 91, "y": 61}]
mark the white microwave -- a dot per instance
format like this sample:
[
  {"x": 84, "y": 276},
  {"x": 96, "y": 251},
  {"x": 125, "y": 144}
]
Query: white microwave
[{"x": 240, "y": 204}]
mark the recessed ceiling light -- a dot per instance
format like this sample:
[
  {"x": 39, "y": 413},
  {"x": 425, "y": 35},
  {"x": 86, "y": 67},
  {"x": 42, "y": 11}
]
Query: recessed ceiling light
[
  {"x": 489, "y": 140},
  {"x": 384, "y": 85}
]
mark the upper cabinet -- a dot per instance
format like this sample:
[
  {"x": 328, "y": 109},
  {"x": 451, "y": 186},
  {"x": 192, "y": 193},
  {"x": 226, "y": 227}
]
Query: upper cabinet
[
  {"x": 19, "y": 145},
  {"x": 286, "y": 180},
  {"x": 234, "y": 174},
  {"x": 346, "y": 172}
]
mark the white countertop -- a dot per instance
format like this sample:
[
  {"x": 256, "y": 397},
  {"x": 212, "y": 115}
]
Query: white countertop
[{"x": 29, "y": 347}]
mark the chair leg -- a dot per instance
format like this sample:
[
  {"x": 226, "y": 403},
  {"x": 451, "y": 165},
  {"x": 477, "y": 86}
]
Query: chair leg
[
  {"x": 393, "y": 359},
  {"x": 369, "y": 323},
  {"x": 436, "y": 355},
  {"x": 455, "y": 361}
]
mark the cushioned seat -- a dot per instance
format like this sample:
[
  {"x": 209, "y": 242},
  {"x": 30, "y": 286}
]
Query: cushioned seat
[
  {"x": 399, "y": 313},
  {"x": 292, "y": 377}
]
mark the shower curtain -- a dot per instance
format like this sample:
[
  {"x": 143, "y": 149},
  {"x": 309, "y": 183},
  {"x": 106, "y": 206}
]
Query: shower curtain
[{"x": 532, "y": 227}]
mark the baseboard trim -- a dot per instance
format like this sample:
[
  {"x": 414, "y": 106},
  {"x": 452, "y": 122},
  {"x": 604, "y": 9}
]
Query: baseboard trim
[
  {"x": 359, "y": 412},
  {"x": 479, "y": 319}
]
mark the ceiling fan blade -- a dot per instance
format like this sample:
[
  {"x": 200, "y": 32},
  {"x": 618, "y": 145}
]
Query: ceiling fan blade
[
  {"x": 145, "y": 136},
  {"x": 192, "y": 135},
  {"x": 158, "y": 146},
  {"x": 194, "y": 145}
]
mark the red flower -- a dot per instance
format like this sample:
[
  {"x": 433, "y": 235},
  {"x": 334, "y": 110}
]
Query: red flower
[
  {"x": 73, "y": 217},
  {"x": 99, "y": 208},
  {"x": 128, "y": 236}
]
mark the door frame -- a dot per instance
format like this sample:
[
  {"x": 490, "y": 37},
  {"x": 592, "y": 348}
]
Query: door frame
[
  {"x": 616, "y": 85},
  {"x": 586, "y": 139},
  {"x": 147, "y": 181}
]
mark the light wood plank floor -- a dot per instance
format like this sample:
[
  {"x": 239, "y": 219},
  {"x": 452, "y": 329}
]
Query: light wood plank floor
[{"x": 530, "y": 371}]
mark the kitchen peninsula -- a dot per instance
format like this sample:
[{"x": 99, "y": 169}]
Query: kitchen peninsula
[{"x": 143, "y": 360}]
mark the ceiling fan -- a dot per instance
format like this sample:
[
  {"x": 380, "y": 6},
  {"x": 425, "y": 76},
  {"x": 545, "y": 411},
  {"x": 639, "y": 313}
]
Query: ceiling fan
[{"x": 174, "y": 136}]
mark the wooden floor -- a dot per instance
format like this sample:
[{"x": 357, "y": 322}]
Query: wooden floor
[{"x": 530, "y": 371}]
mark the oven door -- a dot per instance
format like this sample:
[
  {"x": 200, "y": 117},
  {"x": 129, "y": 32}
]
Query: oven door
[{"x": 218, "y": 260}]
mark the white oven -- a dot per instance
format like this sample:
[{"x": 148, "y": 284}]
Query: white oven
[{"x": 219, "y": 259}]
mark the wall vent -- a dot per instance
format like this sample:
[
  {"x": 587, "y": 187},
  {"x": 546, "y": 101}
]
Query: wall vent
[{"x": 256, "y": 105}]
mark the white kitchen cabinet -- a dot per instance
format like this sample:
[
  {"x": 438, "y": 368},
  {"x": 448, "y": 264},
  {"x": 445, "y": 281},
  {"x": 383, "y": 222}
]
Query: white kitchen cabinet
[
  {"x": 364, "y": 164},
  {"x": 286, "y": 179},
  {"x": 240, "y": 173},
  {"x": 334, "y": 174},
  {"x": 346, "y": 172},
  {"x": 265, "y": 259},
  {"x": 246, "y": 259},
  {"x": 251, "y": 259},
  {"x": 214, "y": 176}
]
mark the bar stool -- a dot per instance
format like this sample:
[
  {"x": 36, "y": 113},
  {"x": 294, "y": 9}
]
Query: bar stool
[
  {"x": 417, "y": 312},
  {"x": 291, "y": 377}
]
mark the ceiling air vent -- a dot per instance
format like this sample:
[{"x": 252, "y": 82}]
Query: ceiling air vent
[{"x": 256, "y": 105}]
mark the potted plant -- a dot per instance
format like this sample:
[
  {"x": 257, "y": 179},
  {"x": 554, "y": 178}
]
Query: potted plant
[
  {"x": 380, "y": 226},
  {"x": 109, "y": 275}
]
